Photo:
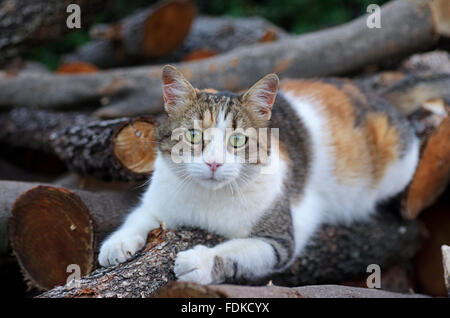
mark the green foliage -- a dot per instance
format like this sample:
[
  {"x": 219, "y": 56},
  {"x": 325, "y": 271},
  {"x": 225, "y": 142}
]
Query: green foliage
[
  {"x": 296, "y": 16},
  {"x": 49, "y": 54}
]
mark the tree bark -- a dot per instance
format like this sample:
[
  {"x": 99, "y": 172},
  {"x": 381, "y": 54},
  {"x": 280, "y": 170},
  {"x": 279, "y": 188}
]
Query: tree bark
[
  {"x": 151, "y": 33},
  {"x": 120, "y": 149},
  {"x": 24, "y": 23},
  {"x": 334, "y": 254},
  {"x": 191, "y": 290},
  {"x": 408, "y": 27},
  {"x": 74, "y": 222},
  {"x": 208, "y": 36}
]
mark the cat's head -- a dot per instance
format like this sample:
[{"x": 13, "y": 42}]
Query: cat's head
[{"x": 215, "y": 138}]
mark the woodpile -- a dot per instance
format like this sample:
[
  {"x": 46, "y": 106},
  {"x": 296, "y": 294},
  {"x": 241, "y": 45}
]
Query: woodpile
[
  {"x": 98, "y": 121},
  {"x": 119, "y": 149},
  {"x": 409, "y": 27}
]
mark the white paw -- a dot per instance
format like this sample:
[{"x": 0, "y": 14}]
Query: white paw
[
  {"x": 195, "y": 265},
  {"x": 119, "y": 247}
]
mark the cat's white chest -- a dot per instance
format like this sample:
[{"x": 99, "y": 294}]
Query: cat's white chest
[{"x": 229, "y": 212}]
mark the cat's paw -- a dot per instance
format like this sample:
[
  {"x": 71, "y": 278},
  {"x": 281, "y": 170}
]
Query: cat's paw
[
  {"x": 195, "y": 265},
  {"x": 119, "y": 247}
]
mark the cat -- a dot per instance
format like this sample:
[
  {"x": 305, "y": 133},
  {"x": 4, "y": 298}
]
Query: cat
[{"x": 339, "y": 152}]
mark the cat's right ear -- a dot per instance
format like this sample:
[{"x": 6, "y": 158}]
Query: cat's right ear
[{"x": 177, "y": 91}]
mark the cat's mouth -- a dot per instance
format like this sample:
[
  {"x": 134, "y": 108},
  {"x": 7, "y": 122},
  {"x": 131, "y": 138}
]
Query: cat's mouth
[{"x": 212, "y": 182}]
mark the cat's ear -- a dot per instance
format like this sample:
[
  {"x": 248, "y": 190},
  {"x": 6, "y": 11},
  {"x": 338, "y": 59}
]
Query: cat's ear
[
  {"x": 261, "y": 96},
  {"x": 177, "y": 91}
]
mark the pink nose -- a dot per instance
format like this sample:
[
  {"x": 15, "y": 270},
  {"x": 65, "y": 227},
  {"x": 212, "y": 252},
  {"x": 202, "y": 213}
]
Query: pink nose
[{"x": 213, "y": 165}]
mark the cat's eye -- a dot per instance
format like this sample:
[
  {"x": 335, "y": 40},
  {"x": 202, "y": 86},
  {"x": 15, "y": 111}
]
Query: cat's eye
[
  {"x": 194, "y": 136},
  {"x": 238, "y": 140}
]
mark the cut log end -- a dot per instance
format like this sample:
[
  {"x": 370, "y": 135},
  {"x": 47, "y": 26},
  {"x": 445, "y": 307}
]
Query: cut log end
[
  {"x": 167, "y": 27},
  {"x": 135, "y": 147},
  {"x": 62, "y": 233}
]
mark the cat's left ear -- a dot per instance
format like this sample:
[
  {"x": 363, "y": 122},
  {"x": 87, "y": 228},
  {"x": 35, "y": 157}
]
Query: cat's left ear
[
  {"x": 177, "y": 91},
  {"x": 261, "y": 96}
]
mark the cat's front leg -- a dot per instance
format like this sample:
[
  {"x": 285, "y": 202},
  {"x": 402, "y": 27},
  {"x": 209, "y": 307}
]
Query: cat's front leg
[
  {"x": 129, "y": 238},
  {"x": 247, "y": 258}
]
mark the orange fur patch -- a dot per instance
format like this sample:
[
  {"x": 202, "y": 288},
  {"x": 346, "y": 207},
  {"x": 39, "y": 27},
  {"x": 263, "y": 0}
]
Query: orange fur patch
[{"x": 360, "y": 151}]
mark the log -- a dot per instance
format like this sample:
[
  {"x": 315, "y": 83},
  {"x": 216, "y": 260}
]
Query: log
[
  {"x": 432, "y": 173},
  {"x": 208, "y": 36},
  {"x": 446, "y": 263},
  {"x": 152, "y": 32},
  {"x": 336, "y": 253},
  {"x": 428, "y": 270},
  {"x": 24, "y": 23},
  {"x": 10, "y": 191},
  {"x": 191, "y": 290},
  {"x": 74, "y": 222},
  {"x": 408, "y": 27},
  {"x": 121, "y": 149},
  {"x": 442, "y": 12}
]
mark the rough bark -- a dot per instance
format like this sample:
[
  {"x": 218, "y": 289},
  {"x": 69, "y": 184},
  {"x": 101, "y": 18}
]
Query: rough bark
[
  {"x": 152, "y": 32},
  {"x": 336, "y": 253},
  {"x": 74, "y": 222},
  {"x": 191, "y": 290},
  {"x": 408, "y": 27},
  {"x": 446, "y": 263},
  {"x": 119, "y": 149},
  {"x": 24, "y": 23},
  {"x": 208, "y": 36}
]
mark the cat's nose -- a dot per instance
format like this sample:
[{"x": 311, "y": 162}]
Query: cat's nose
[{"x": 213, "y": 165}]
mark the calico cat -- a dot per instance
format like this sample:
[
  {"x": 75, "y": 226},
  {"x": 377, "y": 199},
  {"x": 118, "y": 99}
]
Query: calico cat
[{"x": 339, "y": 152}]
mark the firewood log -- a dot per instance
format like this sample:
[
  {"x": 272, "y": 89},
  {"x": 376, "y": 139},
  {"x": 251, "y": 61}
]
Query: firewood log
[
  {"x": 408, "y": 27},
  {"x": 52, "y": 227},
  {"x": 208, "y": 36},
  {"x": 335, "y": 254},
  {"x": 152, "y": 32},
  {"x": 191, "y": 290},
  {"x": 120, "y": 149}
]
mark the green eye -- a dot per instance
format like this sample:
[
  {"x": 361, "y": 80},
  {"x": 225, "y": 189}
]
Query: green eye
[
  {"x": 238, "y": 140},
  {"x": 194, "y": 136}
]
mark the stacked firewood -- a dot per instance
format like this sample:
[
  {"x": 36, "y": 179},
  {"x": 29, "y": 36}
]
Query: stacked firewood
[{"x": 98, "y": 123}]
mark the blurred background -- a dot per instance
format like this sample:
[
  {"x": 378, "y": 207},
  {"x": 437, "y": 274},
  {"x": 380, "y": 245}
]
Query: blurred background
[{"x": 294, "y": 16}]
